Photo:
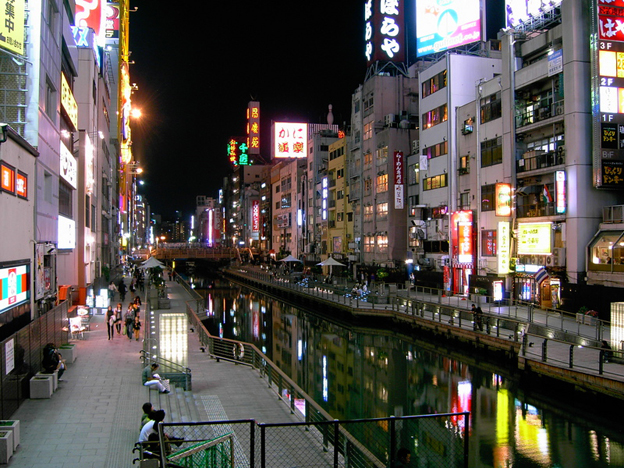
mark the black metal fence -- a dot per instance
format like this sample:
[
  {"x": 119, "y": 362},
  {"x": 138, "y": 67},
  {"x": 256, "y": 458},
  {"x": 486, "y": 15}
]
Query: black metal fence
[
  {"x": 435, "y": 441},
  {"x": 22, "y": 355}
]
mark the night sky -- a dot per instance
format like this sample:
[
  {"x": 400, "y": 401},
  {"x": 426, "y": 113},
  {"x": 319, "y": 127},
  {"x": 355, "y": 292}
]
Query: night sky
[{"x": 199, "y": 64}]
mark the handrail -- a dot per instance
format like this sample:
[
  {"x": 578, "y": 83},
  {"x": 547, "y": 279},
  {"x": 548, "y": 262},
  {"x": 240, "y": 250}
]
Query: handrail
[{"x": 146, "y": 358}]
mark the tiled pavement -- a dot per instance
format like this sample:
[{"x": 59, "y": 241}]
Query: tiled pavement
[{"x": 92, "y": 420}]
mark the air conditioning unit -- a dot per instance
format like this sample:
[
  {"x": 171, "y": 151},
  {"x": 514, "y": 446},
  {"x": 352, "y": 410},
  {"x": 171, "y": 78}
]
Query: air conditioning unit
[
  {"x": 559, "y": 256},
  {"x": 389, "y": 119},
  {"x": 559, "y": 109},
  {"x": 415, "y": 146}
]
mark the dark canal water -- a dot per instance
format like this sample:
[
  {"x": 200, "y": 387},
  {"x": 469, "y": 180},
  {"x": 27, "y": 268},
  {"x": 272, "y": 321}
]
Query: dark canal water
[{"x": 365, "y": 373}]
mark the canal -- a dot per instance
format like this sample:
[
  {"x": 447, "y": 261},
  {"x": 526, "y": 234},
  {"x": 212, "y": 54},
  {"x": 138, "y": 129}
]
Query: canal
[{"x": 370, "y": 373}]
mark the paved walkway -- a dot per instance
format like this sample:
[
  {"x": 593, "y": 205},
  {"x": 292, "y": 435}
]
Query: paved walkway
[{"x": 92, "y": 420}]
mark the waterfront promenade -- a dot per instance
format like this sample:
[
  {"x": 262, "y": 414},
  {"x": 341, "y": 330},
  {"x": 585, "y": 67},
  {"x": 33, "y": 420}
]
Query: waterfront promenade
[{"x": 92, "y": 420}]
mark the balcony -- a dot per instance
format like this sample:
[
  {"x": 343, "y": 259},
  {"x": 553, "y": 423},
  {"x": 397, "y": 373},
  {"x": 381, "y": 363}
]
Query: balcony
[
  {"x": 535, "y": 210},
  {"x": 536, "y": 112},
  {"x": 532, "y": 161}
]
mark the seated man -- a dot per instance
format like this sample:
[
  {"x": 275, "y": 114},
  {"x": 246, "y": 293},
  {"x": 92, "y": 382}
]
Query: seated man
[
  {"x": 148, "y": 409},
  {"x": 150, "y": 378},
  {"x": 151, "y": 427}
]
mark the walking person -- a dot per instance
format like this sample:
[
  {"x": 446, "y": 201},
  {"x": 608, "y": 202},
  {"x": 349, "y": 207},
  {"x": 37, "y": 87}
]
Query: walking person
[
  {"x": 122, "y": 290},
  {"x": 137, "y": 327},
  {"x": 110, "y": 322},
  {"x": 118, "y": 317},
  {"x": 112, "y": 289},
  {"x": 129, "y": 321}
]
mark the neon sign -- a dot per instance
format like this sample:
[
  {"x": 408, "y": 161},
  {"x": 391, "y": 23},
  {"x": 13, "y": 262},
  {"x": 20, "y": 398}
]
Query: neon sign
[
  {"x": 290, "y": 140},
  {"x": 383, "y": 30}
]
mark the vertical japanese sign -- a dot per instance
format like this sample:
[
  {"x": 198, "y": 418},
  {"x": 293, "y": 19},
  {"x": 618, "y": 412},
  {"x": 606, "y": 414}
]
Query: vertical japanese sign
[
  {"x": 607, "y": 54},
  {"x": 238, "y": 151},
  {"x": 399, "y": 178},
  {"x": 290, "y": 140},
  {"x": 253, "y": 127},
  {"x": 12, "y": 26},
  {"x": 255, "y": 215},
  {"x": 384, "y": 34},
  {"x": 560, "y": 192},
  {"x": 461, "y": 231},
  {"x": 503, "y": 253}
]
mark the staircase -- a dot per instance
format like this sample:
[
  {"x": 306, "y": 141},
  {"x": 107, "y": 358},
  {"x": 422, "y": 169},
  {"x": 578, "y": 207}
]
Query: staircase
[{"x": 180, "y": 405}]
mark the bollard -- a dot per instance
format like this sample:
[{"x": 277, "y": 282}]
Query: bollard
[
  {"x": 571, "y": 356},
  {"x": 544, "y": 350}
]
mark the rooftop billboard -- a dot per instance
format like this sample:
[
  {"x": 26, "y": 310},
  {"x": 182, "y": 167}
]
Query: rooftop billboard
[
  {"x": 443, "y": 25},
  {"x": 519, "y": 10},
  {"x": 290, "y": 140}
]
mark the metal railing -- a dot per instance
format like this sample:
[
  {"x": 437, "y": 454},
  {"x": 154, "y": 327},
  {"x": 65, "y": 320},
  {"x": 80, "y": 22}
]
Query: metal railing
[
  {"x": 179, "y": 375},
  {"x": 442, "y": 441},
  {"x": 509, "y": 319}
]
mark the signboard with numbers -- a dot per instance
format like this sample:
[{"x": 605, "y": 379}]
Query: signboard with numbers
[{"x": 608, "y": 94}]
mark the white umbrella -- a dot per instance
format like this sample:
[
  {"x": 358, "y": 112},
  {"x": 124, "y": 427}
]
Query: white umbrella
[
  {"x": 330, "y": 262},
  {"x": 152, "y": 262},
  {"x": 290, "y": 258}
]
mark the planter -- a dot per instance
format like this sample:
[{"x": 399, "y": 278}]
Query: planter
[
  {"x": 41, "y": 387},
  {"x": 69, "y": 352},
  {"x": 164, "y": 304},
  {"x": 54, "y": 376},
  {"x": 6, "y": 446},
  {"x": 153, "y": 293},
  {"x": 13, "y": 426}
]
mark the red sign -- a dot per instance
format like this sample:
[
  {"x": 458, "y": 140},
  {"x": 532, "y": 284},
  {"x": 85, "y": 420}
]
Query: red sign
[
  {"x": 21, "y": 185},
  {"x": 398, "y": 168},
  {"x": 461, "y": 233},
  {"x": 7, "y": 178}
]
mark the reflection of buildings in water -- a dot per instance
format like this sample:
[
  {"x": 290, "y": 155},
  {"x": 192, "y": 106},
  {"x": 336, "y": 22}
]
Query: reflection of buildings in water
[{"x": 364, "y": 374}]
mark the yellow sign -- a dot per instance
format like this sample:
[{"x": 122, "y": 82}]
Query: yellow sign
[
  {"x": 12, "y": 27},
  {"x": 502, "y": 247},
  {"x": 534, "y": 238},
  {"x": 69, "y": 102}
]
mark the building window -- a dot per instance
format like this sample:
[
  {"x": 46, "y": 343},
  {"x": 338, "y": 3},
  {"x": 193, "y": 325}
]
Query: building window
[
  {"x": 434, "y": 117},
  {"x": 368, "y": 160},
  {"x": 413, "y": 174},
  {"x": 433, "y": 84},
  {"x": 464, "y": 165},
  {"x": 65, "y": 200},
  {"x": 50, "y": 100},
  {"x": 435, "y": 182},
  {"x": 464, "y": 201},
  {"x": 87, "y": 211},
  {"x": 368, "y": 213},
  {"x": 491, "y": 108},
  {"x": 368, "y": 186},
  {"x": 286, "y": 200},
  {"x": 382, "y": 211},
  {"x": 492, "y": 152},
  {"x": 488, "y": 192},
  {"x": 368, "y": 131},
  {"x": 382, "y": 156},
  {"x": 436, "y": 150},
  {"x": 369, "y": 244},
  {"x": 382, "y": 183},
  {"x": 382, "y": 243}
]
